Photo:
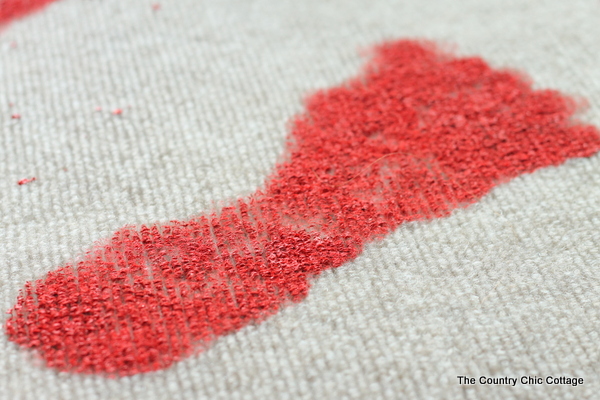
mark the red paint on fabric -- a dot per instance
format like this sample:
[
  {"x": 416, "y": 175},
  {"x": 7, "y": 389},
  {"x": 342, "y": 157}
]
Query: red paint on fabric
[
  {"x": 16, "y": 116},
  {"x": 419, "y": 133},
  {"x": 117, "y": 111},
  {"x": 26, "y": 181},
  {"x": 12, "y": 9}
]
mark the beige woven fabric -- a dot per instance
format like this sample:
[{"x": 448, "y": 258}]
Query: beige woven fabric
[{"x": 507, "y": 287}]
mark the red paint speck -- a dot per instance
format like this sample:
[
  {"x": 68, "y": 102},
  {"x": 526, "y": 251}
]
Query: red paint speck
[
  {"x": 16, "y": 116},
  {"x": 416, "y": 135},
  {"x": 155, "y": 6},
  {"x": 26, "y": 181},
  {"x": 117, "y": 111},
  {"x": 13, "y": 9}
]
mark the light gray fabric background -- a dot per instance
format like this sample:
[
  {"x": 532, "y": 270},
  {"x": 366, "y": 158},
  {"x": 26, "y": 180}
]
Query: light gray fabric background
[{"x": 507, "y": 287}]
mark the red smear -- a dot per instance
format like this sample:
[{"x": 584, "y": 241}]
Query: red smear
[
  {"x": 16, "y": 116},
  {"x": 25, "y": 181},
  {"x": 117, "y": 111},
  {"x": 155, "y": 7},
  {"x": 417, "y": 135},
  {"x": 12, "y": 9}
]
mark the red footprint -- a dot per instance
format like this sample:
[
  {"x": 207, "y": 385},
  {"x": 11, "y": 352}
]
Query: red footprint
[{"x": 418, "y": 134}]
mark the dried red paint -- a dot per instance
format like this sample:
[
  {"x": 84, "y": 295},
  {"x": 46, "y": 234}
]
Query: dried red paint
[
  {"x": 117, "y": 111},
  {"x": 417, "y": 135},
  {"x": 25, "y": 181},
  {"x": 12, "y": 9},
  {"x": 16, "y": 116},
  {"x": 155, "y": 7}
]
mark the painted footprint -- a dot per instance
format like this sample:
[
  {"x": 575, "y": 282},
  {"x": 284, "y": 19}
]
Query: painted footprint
[{"x": 419, "y": 133}]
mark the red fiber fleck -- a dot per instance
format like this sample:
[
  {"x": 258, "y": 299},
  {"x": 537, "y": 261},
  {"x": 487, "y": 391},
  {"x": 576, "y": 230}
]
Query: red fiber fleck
[
  {"x": 117, "y": 111},
  {"x": 155, "y": 6},
  {"x": 13, "y": 9},
  {"x": 25, "y": 181},
  {"x": 16, "y": 116},
  {"x": 419, "y": 133}
]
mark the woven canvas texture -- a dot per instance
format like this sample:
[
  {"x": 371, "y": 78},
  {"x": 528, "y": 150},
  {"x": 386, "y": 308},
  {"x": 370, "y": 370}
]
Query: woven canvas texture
[{"x": 505, "y": 287}]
